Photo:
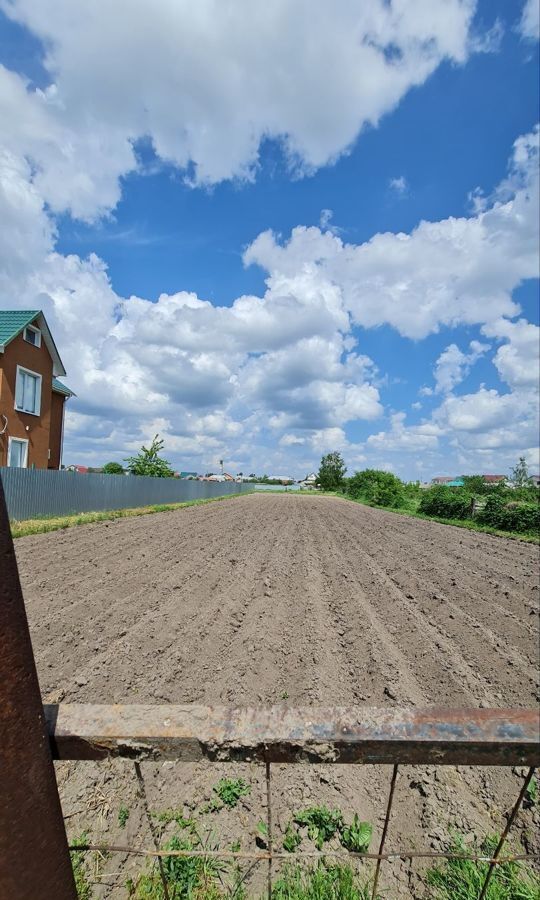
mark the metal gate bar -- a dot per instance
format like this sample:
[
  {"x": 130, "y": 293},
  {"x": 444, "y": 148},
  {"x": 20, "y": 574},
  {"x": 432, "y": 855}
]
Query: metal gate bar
[
  {"x": 34, "y": 856},
  {"x": 279, "y": 734}
]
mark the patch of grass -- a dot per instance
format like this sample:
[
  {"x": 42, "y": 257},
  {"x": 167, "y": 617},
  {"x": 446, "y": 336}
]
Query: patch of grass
[
  {"x": 410, "y": 509},
  {"x": 175, "y": 815},
  {"x": 82, "y": 884},
  {"x": 123, "y": 816},
  {"x": 323, "y": 882},
  {"x": 42, "y": 525},
  {"x": 188, "y": 878},
  {"x": 462, "y": 879},
  {"x": 230, "y": 790}
]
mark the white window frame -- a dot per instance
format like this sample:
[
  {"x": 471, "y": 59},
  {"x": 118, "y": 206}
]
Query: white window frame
[
  {"x": 20, "y": 441},
  {"x": 36, "y": 332},
  {"x": 38, "y": 391}
]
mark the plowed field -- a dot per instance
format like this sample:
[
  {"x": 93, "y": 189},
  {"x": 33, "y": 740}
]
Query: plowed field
[{"x": 284, "y": 599}]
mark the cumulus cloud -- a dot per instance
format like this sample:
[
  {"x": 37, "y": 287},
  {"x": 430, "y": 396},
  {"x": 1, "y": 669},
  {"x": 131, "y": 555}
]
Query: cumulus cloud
[
  {"x": 446, "y": 273},
  {"x": 453, "y": 365},
  {"x": 288, "y": 368},
  {"x": 406, "y": 438},
  {"x": 529, "y": 24},
  {"x": 203, "y": 84}
]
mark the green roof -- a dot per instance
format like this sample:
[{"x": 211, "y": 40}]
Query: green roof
[
  {"x": 61, "y": 388},
  {"x": 12, "y": 322}
]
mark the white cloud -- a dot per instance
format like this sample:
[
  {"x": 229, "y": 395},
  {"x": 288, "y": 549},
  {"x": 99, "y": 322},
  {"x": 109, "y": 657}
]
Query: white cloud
[
  {"x": 529, "y": 24},
  {"x": 406, "y": 438},
  {"x": 399, "y": 185},
  {"x": 453, "y": 365},
  {"x": 205, "y": 83},
  {"x": 216, "y": 381},
  {"x": 456, "y": 271},
  {"x": 518, "y": 359}
]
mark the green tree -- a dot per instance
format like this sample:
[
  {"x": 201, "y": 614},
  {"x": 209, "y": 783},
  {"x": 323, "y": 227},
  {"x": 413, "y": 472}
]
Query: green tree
[
  {"x": 331, "y": 471},
  {"x": 376, "y": 486},
  {"x": 149, "y": 462},
  {"x": 113, "y": 468},
  {"x": 475, "y": 484},
  {"x": 520, "y": 474}
]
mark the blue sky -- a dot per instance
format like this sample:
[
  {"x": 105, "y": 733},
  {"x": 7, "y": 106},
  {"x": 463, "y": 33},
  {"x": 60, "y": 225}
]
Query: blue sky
[{"x": 156, "y": 177}]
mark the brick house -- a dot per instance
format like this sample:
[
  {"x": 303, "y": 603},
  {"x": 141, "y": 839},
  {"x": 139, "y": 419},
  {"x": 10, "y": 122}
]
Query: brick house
[{"x": 31, "y": 397}]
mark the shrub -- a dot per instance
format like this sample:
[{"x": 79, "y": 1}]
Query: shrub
[
  {"x": 113, "y": 468},
  {"x": 511, "y": 516},
  {"x": 377, "y": 487},
  {"x": 447, "y": 503}
]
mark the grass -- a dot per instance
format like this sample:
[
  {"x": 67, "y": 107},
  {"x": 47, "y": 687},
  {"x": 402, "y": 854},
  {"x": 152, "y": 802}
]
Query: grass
[
  {"x": 410, "y": 509},
  {"x": 322, "y": 882},
  {"x": 123, "y": 816},
  {"x": 461, "y": 879},
  {"x": 55, "y": 523},
  {"x": 83, "y": 886}
]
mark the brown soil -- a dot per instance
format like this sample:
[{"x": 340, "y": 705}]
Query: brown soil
[{"x": 280, "y": 598}]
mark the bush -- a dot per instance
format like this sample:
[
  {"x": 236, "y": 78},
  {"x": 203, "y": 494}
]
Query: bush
[
  {"x": 511, "y": 516},
  {"x": 377, "y": 487},
  {"x": 113, "y": 468},
  {"x": 446, "y": 503}
]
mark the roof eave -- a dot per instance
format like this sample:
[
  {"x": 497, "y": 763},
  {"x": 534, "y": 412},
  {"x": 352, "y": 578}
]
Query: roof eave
[{"x": 58, "y": 366}]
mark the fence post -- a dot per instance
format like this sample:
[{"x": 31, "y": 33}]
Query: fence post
[{"x": 34, "y": 856}]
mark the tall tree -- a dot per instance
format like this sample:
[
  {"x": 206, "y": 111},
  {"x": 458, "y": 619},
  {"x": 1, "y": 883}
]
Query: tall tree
[
  {"x": 520, "y": 474},
  {"x": 331, "y": 471},
  {"x": 149, "y": 462}
]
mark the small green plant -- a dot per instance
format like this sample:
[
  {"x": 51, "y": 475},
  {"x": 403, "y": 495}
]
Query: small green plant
[
  {"x": 123, "y": 816},
  {"x": 292, "y": 838},
  {"x": 84, "y": 889},
  {"x": 284, "y": 695},
  {"x": 356, "y": 837},
  {"x": 462, "y": 879},
  {"x": 531, "y": 794},
  {"x": 230, "y": 790},
  {"x": 323, "y": 882},
  {"x": 175, "y": 815},
  {"x": 321, "y": 823}
]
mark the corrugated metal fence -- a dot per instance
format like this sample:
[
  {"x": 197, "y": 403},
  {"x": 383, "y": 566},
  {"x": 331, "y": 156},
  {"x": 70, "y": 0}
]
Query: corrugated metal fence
[{"x": 31, "y": 493}]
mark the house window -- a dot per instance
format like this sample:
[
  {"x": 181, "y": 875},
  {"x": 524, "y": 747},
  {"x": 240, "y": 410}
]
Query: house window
[
  {"x": 32, "y": 335},
  {"x": 28, "y": 391},
  {"x": 18, "y": 453}
]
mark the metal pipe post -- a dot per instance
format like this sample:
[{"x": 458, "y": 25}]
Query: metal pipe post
[{"x": 34, "y": 855}]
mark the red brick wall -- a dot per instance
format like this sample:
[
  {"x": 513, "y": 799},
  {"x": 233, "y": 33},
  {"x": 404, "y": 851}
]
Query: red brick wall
[{"x": 37, "y": 359}]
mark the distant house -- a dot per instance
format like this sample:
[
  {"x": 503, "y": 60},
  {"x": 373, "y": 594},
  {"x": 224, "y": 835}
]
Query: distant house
[
  {"x": 494, "y": 479},
  {"x": 310, "y": 481},
  {"x": 81, "y": 470},
  {"x": 31, "y": 397},
  {"x": 535, "y": 479},
  {"x": 456, "y": 482},
  {"x": 442, "y": 479},
  {"x": 188, "y": 475}
]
